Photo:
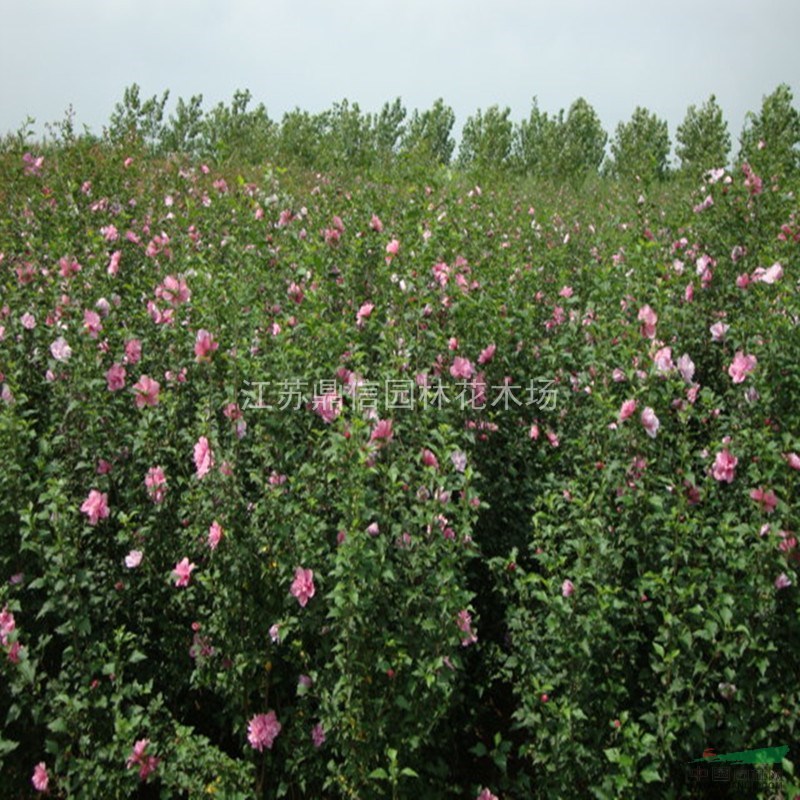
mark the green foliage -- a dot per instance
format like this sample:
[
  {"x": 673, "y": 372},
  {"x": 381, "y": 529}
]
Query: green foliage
[
  {"x": 640, "y": 147},
  {"x": 519, "y": 587},
  {"x": 486, "y": 140},
  {"x": 770, "y": 141},
  {"x": 703, "y": 141}
]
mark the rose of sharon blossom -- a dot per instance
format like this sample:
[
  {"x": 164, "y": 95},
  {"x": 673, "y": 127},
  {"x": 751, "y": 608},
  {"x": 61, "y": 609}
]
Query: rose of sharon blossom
[
  {"x": 782, "y": 581},
  {"x": 115, "y": 378},
  {"x": 303, "y": 585},
  {"x": 649, "y": 319},
  {"x": 95, "y": 506},
  {"x": 40, "y": 779},
  {"x": 487, "y": 795},
  {"x": 741, "y": 366},
  {"x": 650, "y": 422},
  {"x": 724, "y": 467},
  {"x": 328, "y": 406},
  {"x": 382, "y": 431},
  {"x": 767, "y": 501},
  {"x": 262, "y": 731},
  {"x": 204, "y": 346},
  {"x": 203, "y": 457},
  {"x": 140, "y": 758},
  {"x": 567, "y": 588},
  {"x": 718, "y": 331},
  {"x": 462, "y": 368},
  {"x": 487, "y": 354},
  {"x": 147, "y": 391},
  {"x": 793, "y": 460},
  {"x": 429, "y": 459},
  {"x": 686, "y": 367},
  {"x": 215, "y": 534},
  {"x": 133, "y": 559},
  {"x": 156, "y": 483},
  {"x": 626, "y": 410},
  {"x": 60, "y": 349},
  {"x": 183, "y": 572},
  {"x": 318, "y": 735}
]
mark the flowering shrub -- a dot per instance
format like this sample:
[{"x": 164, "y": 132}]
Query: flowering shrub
[{"x": 353, "y": 490}]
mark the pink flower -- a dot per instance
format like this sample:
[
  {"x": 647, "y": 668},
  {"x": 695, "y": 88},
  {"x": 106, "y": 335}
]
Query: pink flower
[
  {"x": 95, "y": 506},
  {"x": 60, "y": 349},
  {"x": 133, "y": 351},
  {"x": 767, "y": 501},
  {"x": 91, "y": 323},
  {"x": 429, "y": 459},
  {"x": 133, "y": 559},
  {"x": 376, "y": 224},
  {"x": 741, "y": 366},
  {"x": 485, "y": 793},
  {"x": 768, "y": 276},
  {"x": 650, "y": 422},
  {"x": 156, "y": 483},
  {"x": 648, "y": 318},
  {"x": 28, "y": 321},
  {"x": 303, "y": 585},
  {"x": 174, "y": 291},
  {"x": 115, "y": 377},
  {"x": 464, "y": 622},
  {"x": 663, "y": 360},
  {"x": 724, "y": 466},
  {"x": 793, "y": 460},
  {"x": 626, "y": 410},
  {"x": 373, "y": 529},
  {"x": 40, "y": 779},
  {"x": 139, "y": 757},
  {"x": 204, "y": 346},
  {"x": 567, "y": 588},
  {"x": 203, "y": 457},
  {"x": 328, "y": 406},
  {"x": 382, "y": 430},
  {"x": 686, "y": 368},
  {"x": 215, "y": 534},
  {"x": 364, "y": 313},
  {"x": 183, "y": 572},
  {"x": 462, "y": 368},
  {"x": 782, "y": 581},
  {"x": 718, "y": 331},
  {"x": 262, "y": 731},
  {"x": 487, "y": 354},
  {"x": 318, "y": 735},
  {"x": 392, "y": 250},
  {"x": 113, "y": 262},
  {"x": 146, "y": 391}
]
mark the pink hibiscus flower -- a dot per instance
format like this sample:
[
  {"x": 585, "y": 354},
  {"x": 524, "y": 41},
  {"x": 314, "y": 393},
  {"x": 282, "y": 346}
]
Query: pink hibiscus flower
[
  {"x": 462, "y": 368},
  {"x": 95, "y": 506},
  {"x": 203, "y": 457},
  {"x": 303, "y": 585},
  {"x": 204, "y": 346},
  {"x": 156, "y": 483},
  {"x": 650, "y": 422},
  {"x": 649, "y": 319},
  {"x": 262, "y": 731},
  {"x": 724, "y": 468},
  {"x": 741, "y": 366},
  {"x": 40, "y": 779},
  {"x": 147, "y": 391},
  {"x": 183, "y": 572}
]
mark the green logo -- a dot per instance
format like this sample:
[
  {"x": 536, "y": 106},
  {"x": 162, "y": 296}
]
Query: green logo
[{"x": 765, "y": 755}]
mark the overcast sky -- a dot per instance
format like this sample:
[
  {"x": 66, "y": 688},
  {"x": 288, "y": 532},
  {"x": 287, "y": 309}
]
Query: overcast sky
[{"x": 473, "y": 53}]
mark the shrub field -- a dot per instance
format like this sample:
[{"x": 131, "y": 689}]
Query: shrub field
[{"x": 392, "y": 483}]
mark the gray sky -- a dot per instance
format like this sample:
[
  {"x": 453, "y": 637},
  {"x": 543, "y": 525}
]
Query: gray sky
[{"x": 309, "y": 53}]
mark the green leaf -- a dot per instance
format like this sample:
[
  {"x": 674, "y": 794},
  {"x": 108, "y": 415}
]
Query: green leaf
[{"x": 379, "y": 774}]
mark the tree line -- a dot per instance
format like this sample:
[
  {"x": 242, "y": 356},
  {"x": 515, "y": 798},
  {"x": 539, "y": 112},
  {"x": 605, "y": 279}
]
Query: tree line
[{"x": 565, "y": 147}]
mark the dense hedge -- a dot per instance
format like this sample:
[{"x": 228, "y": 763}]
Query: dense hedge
[{"x": 322, "y": 486}]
